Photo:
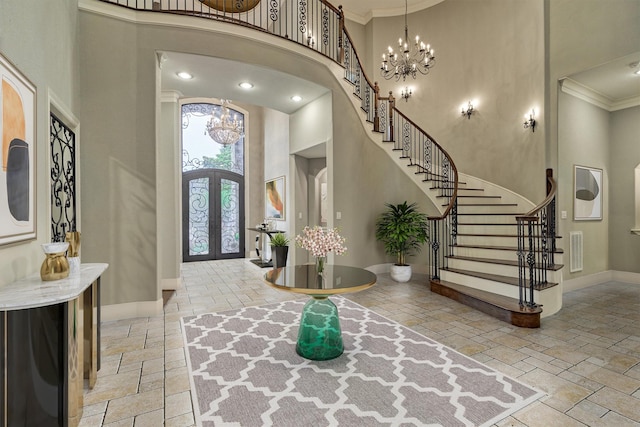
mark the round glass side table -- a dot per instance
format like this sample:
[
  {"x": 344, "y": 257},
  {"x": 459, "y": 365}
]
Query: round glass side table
[{"x": 319, "y": 334}]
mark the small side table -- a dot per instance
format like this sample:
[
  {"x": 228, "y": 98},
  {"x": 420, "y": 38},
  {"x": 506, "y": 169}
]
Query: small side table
[
  {"x": 319, "y": 334},
  {"x": 263, "y": 261}
]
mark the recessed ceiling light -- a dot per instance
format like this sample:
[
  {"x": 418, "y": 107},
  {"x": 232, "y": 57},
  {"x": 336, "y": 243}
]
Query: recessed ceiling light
[
  {"x": 246, "y": 85},
  {"x": 296, "y": 98},
  {"x": 184, "y": 75}
]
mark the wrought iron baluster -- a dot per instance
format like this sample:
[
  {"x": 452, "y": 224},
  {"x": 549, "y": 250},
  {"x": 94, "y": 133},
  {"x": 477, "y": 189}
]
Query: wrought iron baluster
[{"x": 63, "y": 181}]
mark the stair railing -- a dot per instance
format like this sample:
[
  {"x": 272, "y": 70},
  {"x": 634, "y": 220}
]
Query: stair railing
[
  {"x": 319, "y": 25},
  {"x": 316, "y": 24},
  {"x": 536, "y": 245},
  {"x": 419, "y": 148}
]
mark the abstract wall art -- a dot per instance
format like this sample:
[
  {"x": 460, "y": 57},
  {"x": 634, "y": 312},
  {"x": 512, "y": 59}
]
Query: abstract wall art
[
  {"x": 17, "y": 155},
  {"x": 275, "y": 199},
  {"x": 587, "y": 193}
]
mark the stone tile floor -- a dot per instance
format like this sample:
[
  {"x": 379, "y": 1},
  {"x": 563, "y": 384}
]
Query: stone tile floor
[{"x": 586, "y": 358}]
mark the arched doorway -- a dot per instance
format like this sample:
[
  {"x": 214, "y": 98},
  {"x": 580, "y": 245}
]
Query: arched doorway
[{"x": 212, "y": 188}]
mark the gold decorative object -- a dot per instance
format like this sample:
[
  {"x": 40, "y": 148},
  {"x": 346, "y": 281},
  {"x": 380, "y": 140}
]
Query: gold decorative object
[
  {"x": 73, "y": 238},
  {"x": 55, "y": 266},
  {"x": 231, "y": 6},
  {"x": 73, "y": 254}
]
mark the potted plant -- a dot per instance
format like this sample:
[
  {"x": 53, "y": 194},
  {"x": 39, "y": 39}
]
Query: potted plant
[
  {"x": 402, "y": 229},
  {"x": 279, "y": 250}
]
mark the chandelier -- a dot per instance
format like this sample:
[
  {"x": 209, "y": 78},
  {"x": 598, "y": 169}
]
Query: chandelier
[
  {"x": 414, "y": 59},
  {"x": 224, "y": 129}
]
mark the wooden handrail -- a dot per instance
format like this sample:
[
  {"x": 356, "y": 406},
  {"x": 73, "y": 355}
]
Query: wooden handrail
[
  {"x": 367, "y": 79},
  {"x": 452, "y": 200},
  {"x": 532, "y": 215},
  {"x": 338, "y": 11}
]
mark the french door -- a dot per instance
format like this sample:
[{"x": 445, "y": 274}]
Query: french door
[
  {"x": 212, "y": 207},
  {"x": 212, "y": 186}
]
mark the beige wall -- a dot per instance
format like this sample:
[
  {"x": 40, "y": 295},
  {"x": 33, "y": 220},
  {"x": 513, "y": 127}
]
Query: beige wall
[
  {"x": 584, "y": 131},
  {"x": 489, "y": 50},
  {"x": 625, "y": 157},
  {"x": 583, "y": 34},
  {"x": 118, "y": 114},
  {"x": 41, "y": 40}
]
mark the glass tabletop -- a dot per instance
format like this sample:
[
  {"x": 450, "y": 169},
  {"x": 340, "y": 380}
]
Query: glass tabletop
[{"x": 335, "y": 279}]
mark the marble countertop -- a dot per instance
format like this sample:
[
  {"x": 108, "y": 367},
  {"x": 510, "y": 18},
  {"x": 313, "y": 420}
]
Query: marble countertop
[{"x": 32, "y": 292}]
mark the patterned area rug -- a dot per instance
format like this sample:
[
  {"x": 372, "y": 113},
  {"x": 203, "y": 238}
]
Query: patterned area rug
[{"x": 245, "y": 371}]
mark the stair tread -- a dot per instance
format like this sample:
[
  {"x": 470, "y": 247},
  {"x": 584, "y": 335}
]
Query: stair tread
[
  {"x": 514, "y": 224},
  {"x": 554, "y": 267},
  {"x": 487, "y": 204},
  {"x": 475, "y": 196},
  {"x": 499, "y": 248},
  {"x": 489, "y": 214},
  {"x": 498, "y": 278},
  {"x": 497, "y": 300},
  {"x": 494, "y": 235}
]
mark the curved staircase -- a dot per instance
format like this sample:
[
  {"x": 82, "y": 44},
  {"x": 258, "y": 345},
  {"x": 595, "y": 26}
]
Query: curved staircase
[{"x": 482, "y": 266}]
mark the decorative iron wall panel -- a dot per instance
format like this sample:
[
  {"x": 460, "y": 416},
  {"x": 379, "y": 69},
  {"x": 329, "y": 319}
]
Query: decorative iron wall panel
[{"x": 63, "y": 179}]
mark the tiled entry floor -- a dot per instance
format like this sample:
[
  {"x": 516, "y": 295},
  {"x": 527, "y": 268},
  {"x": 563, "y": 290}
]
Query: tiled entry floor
[{"x": 586, "y": 358}]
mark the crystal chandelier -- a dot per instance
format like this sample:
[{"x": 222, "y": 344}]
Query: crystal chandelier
[
  {"x": 414, "y": 59},
  {"x": 224, "y": 129}
]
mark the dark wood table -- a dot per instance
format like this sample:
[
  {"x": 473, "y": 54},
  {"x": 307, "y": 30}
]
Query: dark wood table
[{"x": 263, "y": 261}]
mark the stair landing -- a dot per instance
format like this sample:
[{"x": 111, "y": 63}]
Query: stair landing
[{"x": 498, "y": 306}]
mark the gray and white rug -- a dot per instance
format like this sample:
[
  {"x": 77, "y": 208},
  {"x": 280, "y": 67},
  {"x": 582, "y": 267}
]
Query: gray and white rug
[{"x": 245, "y": 371}]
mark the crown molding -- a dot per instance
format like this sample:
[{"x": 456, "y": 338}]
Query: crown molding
[
  {"x": 170, "y": 96},
  {"x": 585, "y": 93},
  {"x": 388, "y": 12}
]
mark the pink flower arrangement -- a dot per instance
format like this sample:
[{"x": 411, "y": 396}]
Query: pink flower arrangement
[{"x": 319, "y": 241}]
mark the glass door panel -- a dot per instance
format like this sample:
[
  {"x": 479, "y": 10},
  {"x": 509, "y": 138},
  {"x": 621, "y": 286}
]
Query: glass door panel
[{"x": 199, "y": 216}]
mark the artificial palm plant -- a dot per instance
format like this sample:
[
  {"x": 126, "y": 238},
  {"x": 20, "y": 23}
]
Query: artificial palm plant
[{"x": 402, "y": 229}]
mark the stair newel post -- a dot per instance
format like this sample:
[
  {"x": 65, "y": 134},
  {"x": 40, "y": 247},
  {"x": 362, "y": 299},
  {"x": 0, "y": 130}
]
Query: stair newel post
[
  {"x": 521, "y": 267},
  {"x": 551, "y": 218},
  {"x": 340, "y": 35},
  {"x": 392, "y": 106},
  {"x": 435, "y": 245},
  {"x": 376, "y": 106},
  {"x": 531, "y": 261}
]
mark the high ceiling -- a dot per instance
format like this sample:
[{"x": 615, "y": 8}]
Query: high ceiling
[
  {"x": 273, "y": 89},
  {"x": 363, "y": 10}
]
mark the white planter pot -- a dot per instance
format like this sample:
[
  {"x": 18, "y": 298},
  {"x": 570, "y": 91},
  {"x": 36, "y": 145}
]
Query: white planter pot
[{"x": 400, "y": 273}]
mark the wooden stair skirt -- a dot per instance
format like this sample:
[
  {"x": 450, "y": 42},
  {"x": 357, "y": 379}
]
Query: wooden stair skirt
[{"x": 498, "y": 306}]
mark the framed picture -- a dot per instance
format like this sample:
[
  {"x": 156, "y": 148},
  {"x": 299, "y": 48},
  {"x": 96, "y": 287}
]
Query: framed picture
[
  {"x": 587, "y": 193},
  {"x": 17, "y": 155},
  {"x": 274, "y": 202}
]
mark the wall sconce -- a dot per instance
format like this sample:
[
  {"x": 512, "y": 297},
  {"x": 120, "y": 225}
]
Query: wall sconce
[
  {"x": 310, "y": 41},
  {"x": 530, "y": 121},
  {"x": 467, "y": 110},
  {"x": 406, "y": 93}
]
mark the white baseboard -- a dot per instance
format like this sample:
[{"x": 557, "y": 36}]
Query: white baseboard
[
  {"x": 385, "y": 268},
  {"x": 626, "y": 277},
  {"x": 599, "y": 278},
  {"x": 170, "y": 284},
  {"x": 131, "y": 310}
]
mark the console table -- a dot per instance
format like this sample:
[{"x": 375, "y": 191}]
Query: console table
[
  {"x": 49, "y": 343},
  {"x": 263, "y": 261}
]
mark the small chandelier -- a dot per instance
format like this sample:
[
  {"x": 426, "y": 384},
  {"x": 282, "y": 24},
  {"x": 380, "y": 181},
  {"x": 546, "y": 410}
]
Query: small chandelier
[
  {"x": 224, "y": 130},
  {"x": 418, "y": 58}
]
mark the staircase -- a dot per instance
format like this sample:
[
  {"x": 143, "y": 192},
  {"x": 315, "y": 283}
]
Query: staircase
[
  {"x": 490, "y": 248},
  {"x": 482, "y": 265}
]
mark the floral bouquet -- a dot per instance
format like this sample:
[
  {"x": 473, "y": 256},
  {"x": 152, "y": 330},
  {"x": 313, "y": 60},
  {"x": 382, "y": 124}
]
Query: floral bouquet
[{"x": 320, "y": 242}]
